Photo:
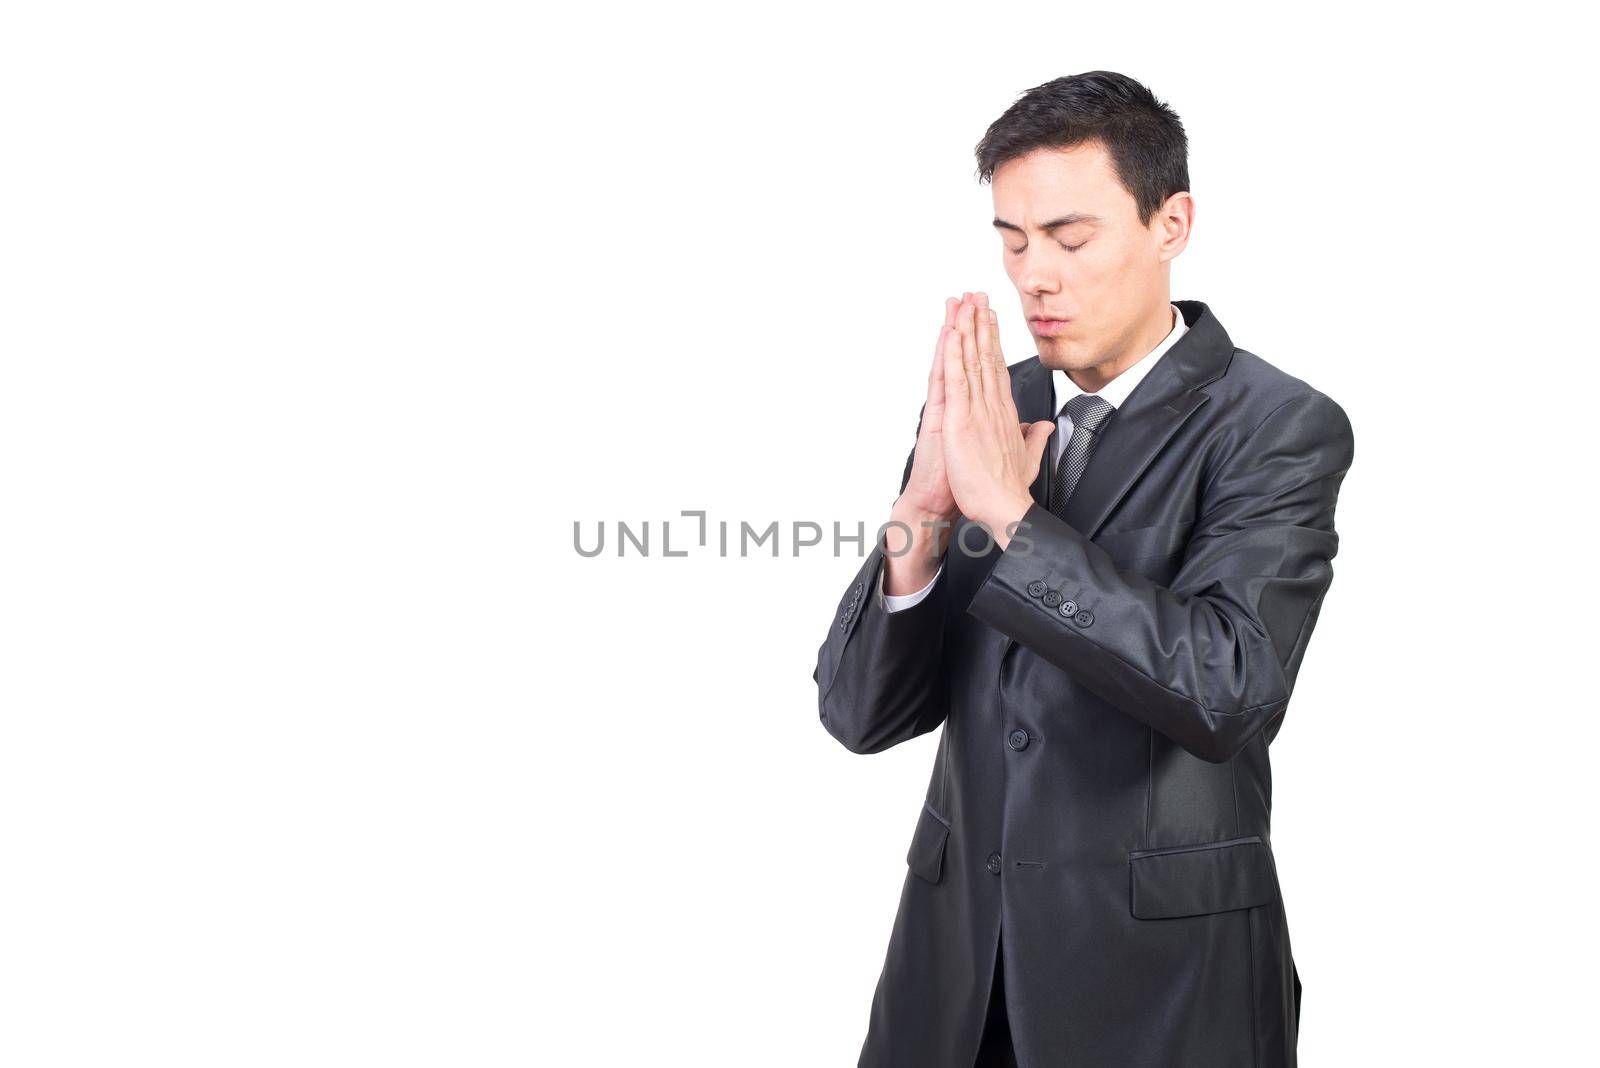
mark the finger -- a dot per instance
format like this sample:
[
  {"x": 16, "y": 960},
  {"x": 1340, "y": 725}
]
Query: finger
[
  {"x": 957, "y": 388},
  {"x": 1037, "y": 439},
  {"x": 1000, "y": 375},
  {"x": 937, "y": 371},
  {"x": 933, "y": 411},
  {"x": 950, "y": 306},
  {"x": 989, "y": 358},
  {"x": 970, "y": 361}
]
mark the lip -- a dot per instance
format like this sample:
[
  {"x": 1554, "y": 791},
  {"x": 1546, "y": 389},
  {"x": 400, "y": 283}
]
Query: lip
[{"x": 1048, "y": 326}]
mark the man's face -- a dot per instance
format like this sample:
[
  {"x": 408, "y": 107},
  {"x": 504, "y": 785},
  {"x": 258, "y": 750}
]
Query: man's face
[{"x": 1105, "y": 275}]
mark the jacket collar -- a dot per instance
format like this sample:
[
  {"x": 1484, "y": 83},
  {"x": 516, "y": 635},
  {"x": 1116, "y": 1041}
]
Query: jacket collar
[{"x": 1141, "y": 425}]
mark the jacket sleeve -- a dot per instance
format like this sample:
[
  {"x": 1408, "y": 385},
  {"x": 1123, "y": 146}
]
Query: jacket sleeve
[
  {"x": 1210, "y": 660},
  {"x": 880, "y": 674}
]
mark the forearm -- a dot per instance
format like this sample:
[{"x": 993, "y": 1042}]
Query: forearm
[
  {"x": 1210, "y": 659},
  {"x": 880, "y": 674},
  {"x": 1206, "y": 669},
  {"x": 915, "y": 544}
]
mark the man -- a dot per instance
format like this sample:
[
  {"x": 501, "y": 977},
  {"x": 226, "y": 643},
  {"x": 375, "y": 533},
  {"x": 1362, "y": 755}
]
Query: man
[{"x": 1091, "y": 880}]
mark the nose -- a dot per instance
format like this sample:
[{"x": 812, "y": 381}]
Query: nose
[
  {"x": 1034, "y": 278},
  {"x": 1036, "y": 283}
]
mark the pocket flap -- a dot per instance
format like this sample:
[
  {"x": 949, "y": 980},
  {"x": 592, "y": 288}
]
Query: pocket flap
[
  {"x": 926, "y": 855},
  {"x": 1196, "y": 879}
]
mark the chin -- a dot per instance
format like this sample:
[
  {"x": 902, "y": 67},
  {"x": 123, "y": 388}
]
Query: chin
[{"x": 1057, "y": 356}]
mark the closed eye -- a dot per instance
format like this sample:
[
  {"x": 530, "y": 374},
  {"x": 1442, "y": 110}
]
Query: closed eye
[{"x": 1069, "y": 248}]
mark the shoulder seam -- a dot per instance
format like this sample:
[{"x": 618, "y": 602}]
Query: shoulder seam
[{"x": 1308, "y": 391}]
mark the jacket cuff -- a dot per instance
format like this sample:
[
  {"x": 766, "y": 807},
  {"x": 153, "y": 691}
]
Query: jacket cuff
[
  {"x": 862, "y": 620},
  {"x": 1044, "y": 584}
]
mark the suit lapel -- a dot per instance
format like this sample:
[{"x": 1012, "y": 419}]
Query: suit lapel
[
  {"x": 1136, "y": 434},
  {"x": 1152, "y": 413}
]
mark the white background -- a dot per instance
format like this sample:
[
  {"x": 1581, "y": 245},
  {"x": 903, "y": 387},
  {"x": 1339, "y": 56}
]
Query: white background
[{"x": 323, "y": 323}]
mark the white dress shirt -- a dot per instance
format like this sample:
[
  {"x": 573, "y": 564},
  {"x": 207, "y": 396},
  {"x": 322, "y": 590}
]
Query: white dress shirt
[{"x": 1115, "y": 392}]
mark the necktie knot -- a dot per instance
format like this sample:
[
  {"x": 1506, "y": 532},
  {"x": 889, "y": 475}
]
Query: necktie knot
[{"x": 1088, "y": 411}]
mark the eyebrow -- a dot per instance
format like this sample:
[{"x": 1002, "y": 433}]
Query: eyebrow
[{"x": 1065, "y": 220}]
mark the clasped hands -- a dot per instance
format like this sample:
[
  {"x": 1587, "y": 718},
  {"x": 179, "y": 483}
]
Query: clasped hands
[{"x": 974, "y": 457}]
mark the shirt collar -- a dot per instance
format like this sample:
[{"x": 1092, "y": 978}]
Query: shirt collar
[{"x": 1116, "y": 391}]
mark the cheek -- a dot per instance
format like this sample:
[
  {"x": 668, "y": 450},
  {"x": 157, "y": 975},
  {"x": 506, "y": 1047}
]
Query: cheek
[
  {"x": 1132, "y": 260},
  {"x": 1107, "y": 272}
]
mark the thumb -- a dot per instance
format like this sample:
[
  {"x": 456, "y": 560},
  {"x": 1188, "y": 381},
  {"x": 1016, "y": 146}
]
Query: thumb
[{"x": 1036, "y": 438}]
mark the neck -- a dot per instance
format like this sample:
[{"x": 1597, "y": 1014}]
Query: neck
[{"x": 1152, "y": 330}]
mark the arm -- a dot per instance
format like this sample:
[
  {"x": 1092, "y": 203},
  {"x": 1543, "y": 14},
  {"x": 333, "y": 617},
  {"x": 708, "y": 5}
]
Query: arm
[
  {"x": 892, "y": 603},
  {"x": 1212, "y": 659},
  {"x": 880, "y": 674},
  {"x": 880, "y": 677}
]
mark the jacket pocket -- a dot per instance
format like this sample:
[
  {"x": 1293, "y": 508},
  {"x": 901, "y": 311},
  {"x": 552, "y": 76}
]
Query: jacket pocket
[
  {"x": 926, "y": 855},
  {"x": 1193, "y": 880}
]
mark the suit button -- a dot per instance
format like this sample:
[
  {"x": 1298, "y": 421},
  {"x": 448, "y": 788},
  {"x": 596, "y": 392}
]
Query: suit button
[
  {"x": 994, "y": 863},
  {"x": 1018, "y": 740},
  {"x": 1083, "y": 618},
  {"x": 1069, "y": 608},
  {"x": 1052, "y": 598},
  {"x": 1036, "y": 587}
]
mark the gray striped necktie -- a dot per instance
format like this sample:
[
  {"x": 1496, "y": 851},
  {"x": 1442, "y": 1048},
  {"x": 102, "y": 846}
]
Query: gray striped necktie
[{"x": 1087, "y": 412}]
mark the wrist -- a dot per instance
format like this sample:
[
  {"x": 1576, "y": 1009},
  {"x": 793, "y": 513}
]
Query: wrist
[
  {"x": 925, "y": 532},
  {"x": 918, "y": 518},
  {"x": 913, "y": 546},
  {"x": 1002, "y": 516}
]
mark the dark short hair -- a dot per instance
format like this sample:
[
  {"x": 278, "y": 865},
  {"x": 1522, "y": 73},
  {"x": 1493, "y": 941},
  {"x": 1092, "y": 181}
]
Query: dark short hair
[{"x": 1143, "y": 136}]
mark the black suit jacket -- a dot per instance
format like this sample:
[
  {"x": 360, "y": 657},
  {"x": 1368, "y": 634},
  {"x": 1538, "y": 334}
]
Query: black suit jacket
[{"x": 1107, "y": 687}]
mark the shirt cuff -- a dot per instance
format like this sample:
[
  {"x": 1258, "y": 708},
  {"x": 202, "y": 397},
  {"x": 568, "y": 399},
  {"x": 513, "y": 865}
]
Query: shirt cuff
[{"x": 898, "y": 602}]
